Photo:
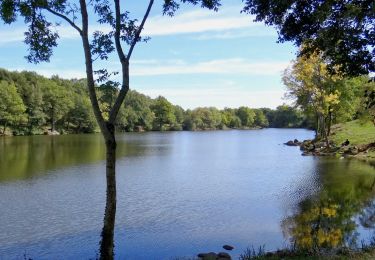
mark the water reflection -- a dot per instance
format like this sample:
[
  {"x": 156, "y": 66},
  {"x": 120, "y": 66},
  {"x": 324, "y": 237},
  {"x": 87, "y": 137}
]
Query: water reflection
[
  {"x": 25, "y": 157},
  {"x": 330, "y": 219},
  {"x": 189, "y": 191}
]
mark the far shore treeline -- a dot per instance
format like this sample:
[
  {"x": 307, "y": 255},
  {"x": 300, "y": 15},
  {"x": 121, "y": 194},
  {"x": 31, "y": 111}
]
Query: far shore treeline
[{"x": 33, "y": 104}]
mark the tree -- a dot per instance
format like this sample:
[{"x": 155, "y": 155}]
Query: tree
[
  {"x": 80, "y": 115},
  {"x": 284, "y": 117},
  {"x": 164, "y": 114},
  {"x": 135, "y": 114},
  {"x": 11, "y": 106},
  {"x": 40, "y": 17},
  {"x": 31, "y": 93},
  {"x": 367, "y": 108},
  {"x": 342, "y": 30},
  {"x": 205, "y": 118},
  {"x": 230, "y": 119},
  {"x": 260, "y": 118},
  {"x": 56, "y": 102},
  {"x": 313, "y": 88},
  {"x": 246, "y": 116},
  {"x": 179, "y": 113}
]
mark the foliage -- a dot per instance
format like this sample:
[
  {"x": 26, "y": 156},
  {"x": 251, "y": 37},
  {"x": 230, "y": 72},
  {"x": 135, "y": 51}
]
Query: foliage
[
  {"x": 325, "y": 97},
  {"x": 56, "y": 101},
  {"x": 11, "y": 106},
  {"x": 65, "y": 105},
  {"x": 342, "y": 30},
  {"x": 260, "y": 119},
  {"x": 285, "y": 117},
  {"x": 246, "y": 115},
  {"x": 136, "y": 113},
  {"x": 164, "y": 114},
  {"x": 367, "y": 102}
]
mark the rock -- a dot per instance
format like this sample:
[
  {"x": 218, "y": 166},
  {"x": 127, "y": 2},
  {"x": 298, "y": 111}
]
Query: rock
[
  {"x": 228, "y": 247},
  {"x": 223, "y": 256},
  {"x": 333, "y": 149},
  {"x": 307, "y": 145},
  {"x": 49, "y": 132},
  {"x": 310, "y": 147},
  {"x": 349, "y": 150},
  {"x": 291, "y": 143},
  {"x": 208, "y": 256},
  {"x": 353, "y": 150},
  {"x": 320, "y": 144},
  {"x": 365, "y": 147},
  {"x": 345, "y": 149}
]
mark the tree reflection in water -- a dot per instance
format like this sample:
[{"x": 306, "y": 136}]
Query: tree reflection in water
[{"x": 329, "y": 220}]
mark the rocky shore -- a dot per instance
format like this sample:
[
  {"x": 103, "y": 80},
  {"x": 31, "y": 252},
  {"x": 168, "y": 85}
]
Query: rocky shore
[{"x": 320, "y": 148}]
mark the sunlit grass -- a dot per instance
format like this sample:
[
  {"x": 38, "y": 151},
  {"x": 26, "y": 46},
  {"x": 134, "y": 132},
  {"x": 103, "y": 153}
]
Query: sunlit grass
[{"x": 357, "y": 132}]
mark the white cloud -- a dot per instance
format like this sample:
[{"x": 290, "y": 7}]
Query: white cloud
[
  {"x": 9, "y": 36},
  {"x": 154, "y": 67},
  {"x": 51, "y": 71},
  {"x": 219, "y": 66},
  {"x": 255, "y": 31},
  {"x": 155, "y": 62},
  {"x": 219, "y": 97},
  {"x": 198, "y": 21}
]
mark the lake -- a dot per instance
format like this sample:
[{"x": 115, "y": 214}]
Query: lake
[{"x": 179, "y": 194}]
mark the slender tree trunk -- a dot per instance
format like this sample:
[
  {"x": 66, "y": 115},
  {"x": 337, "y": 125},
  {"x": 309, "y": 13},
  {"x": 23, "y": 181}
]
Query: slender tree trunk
[
  {"x": 324, "y": 130},
  {"x": 329, "y": 123},
  {"x": 29, "y": 125},
  {"x": 53, "y": 121},
  {"x": 317, "y": 130},
  {"x": 5, "y": 127},
  {"x": 107, "y": 242}
]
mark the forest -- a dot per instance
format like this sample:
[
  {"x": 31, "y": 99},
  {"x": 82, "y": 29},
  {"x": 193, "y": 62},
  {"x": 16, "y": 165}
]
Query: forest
[{"x": 32, "y": 104}]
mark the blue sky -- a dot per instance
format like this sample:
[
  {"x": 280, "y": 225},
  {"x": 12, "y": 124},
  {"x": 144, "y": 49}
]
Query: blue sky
[{"x": 196, "y": 58}]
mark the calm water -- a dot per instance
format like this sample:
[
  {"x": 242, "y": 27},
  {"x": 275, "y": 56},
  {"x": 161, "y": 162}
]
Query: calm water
[{"x": 179, "y": 194}]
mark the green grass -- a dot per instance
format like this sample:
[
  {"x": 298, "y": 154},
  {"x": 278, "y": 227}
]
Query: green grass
[{"x": 356, "y": 132}]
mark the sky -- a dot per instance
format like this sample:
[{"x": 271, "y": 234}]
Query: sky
[{"x": 196, "y": 58}]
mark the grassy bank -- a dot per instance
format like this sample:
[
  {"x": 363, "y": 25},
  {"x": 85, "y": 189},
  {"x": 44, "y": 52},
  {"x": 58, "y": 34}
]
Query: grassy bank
[{"x": 358, "y": 133}]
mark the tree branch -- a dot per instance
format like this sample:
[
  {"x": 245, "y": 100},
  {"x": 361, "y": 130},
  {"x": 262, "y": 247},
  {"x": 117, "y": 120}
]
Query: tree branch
[
  {"x": 90, "y": 73},
  {"x": 65, "y": 18},
  {"x": 124, "y": 59},
  {"x": 120, "y": 52},
  {"x": 138, "y": 33},
  {"x": 124, "y": 66}
]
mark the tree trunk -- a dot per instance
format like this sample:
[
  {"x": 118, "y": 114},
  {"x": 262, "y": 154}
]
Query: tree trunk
[
  {"x": 324, "y": 130},
  {"x": 107, "y": 242},
  {"x": 329, "y": 123},
  {"x": 53, "y": 121},
  {"x": 5, "y": 127}
]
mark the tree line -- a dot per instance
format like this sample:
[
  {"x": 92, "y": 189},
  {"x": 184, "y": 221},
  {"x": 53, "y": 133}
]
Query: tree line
[{"x": 32, "y": 104}]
